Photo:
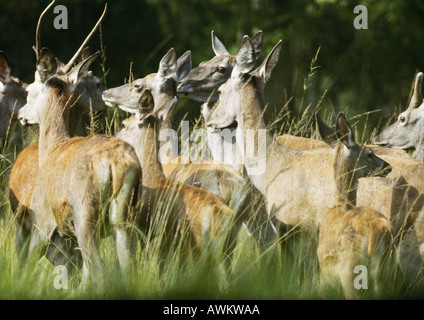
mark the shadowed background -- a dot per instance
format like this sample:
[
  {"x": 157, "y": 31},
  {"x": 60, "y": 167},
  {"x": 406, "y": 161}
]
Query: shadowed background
[{"x": 359, "y": 70}]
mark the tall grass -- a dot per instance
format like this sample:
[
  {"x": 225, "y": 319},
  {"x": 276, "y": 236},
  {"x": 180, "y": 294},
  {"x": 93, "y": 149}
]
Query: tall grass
[{"x": 286, "y": 269}]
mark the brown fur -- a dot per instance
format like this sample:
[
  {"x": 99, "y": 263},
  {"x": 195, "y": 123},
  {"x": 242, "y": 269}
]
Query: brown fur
[
  {"x": 79, "y": 178},
  {"x": 25, "y": 169},
  {"x": 198, "y": 209},
  {"x": 350, "y": 236},
  {"x": 399, "y": 197}
]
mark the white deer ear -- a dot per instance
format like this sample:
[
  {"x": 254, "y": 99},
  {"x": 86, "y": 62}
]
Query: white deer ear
[
  {"x": 46, "y": 65},
  {"x": 168, "y": 65},
  {"x": 245, "y": 58},
  {"x": 145, "y": 106},
  {"x": 146, "y": 103},
  {"x": 4, "y": 68},
  {"x": 81, "y": 69},
  {"x": 265, "y": 69},
  {"x": 217, "y": 46},
  {"x": 344, "y": 131}
]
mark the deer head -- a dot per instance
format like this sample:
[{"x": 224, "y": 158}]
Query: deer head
[
  {"x": 12, "y": 94},
  {"x": 161, "y": 84},
  {"x": 88, "y": 90},
  {"x": 350, "y": 155},
  {"x": 234, "y": 93},
  {"x": 202, "y": 82},
  {"x": 408, "y": 131},
  {"x": 63, "y": 83}
]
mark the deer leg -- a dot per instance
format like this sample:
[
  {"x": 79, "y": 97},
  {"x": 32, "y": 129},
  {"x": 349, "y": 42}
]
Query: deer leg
[
  {"x": 120, "y": 213},
  {"x": 23, "y": 237},
  {"x": 86, "y": 237},
  {"x": 61, "y": 251}
]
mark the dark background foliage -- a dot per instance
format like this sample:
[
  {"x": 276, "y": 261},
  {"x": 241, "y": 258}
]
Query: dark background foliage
[{"x": 360, "y": 70}]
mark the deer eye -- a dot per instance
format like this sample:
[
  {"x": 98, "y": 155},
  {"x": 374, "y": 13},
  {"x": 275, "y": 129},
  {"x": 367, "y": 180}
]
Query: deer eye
[
  {"x": 370, "y": 155},
  {"x": 222, "y": 70},
  {"x": 402, "y": 119},
  {"x": 123, "y": 125}
]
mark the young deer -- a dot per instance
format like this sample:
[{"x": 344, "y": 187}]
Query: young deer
[
  {"x": 351, "y": 236},
  {"x": 86, "y": 98},
  {"x": 195, "y": 210},
  {"x": 82, "y": 182},
  {"x": 12, "y": 95}
]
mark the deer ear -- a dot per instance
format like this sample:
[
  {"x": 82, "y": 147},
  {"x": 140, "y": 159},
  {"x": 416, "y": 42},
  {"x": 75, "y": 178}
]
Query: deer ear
[
  {"x": 344, "y": 131},
  {"x": 168, "y": 65},
  {"x": 327, "y": 133},
  {"x": 245, "y": 58},
  {"x": 218, "y": 46},
  {"x": 183, "y": 65},
  {"x": 81, "y": 69},
  {"x": 257, "y": 41},
  {"x": 145, "y": 103},
  {"x": 417, "y": 97},
  {"x": 265, "y": 69},
  {"x": 46, "y": 64},
  {"x": 85, "y": 53},
  {"x": 4, "y": 68}
]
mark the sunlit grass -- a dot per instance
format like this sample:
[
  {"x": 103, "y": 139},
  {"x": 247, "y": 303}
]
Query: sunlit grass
[{"x": 285, "y": 269}]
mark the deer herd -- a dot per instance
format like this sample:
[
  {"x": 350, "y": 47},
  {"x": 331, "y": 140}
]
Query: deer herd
[{"x": 356, "y": 204}]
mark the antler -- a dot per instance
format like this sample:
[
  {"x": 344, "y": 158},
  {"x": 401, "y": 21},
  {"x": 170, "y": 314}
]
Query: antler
[
  {"x": 37, "y": 32},
  {"x": 68, "y": 66}
]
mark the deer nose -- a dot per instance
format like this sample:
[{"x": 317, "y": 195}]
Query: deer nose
[
  {"x": 183, "y": 88},
  {"x": 378, "y": 140},
  {"x": 107, "y": 99}
]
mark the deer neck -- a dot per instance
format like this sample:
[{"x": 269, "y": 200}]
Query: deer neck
[
  {"x": 346, "y": 182},
  {"x": 147, "y": 151},
  {"x": 166, "y": 124},
  {"x": 54, "y": 122},
  {"x": 257, "y": 147}
]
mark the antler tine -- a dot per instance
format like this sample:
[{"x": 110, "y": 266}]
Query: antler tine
[
  {"x": 75, "y": 57},
  {"x": 37, "y": 32}
]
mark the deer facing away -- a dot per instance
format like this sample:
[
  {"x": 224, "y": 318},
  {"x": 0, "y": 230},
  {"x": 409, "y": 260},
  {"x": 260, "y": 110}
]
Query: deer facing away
[{"x": 351, "y": 236}]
